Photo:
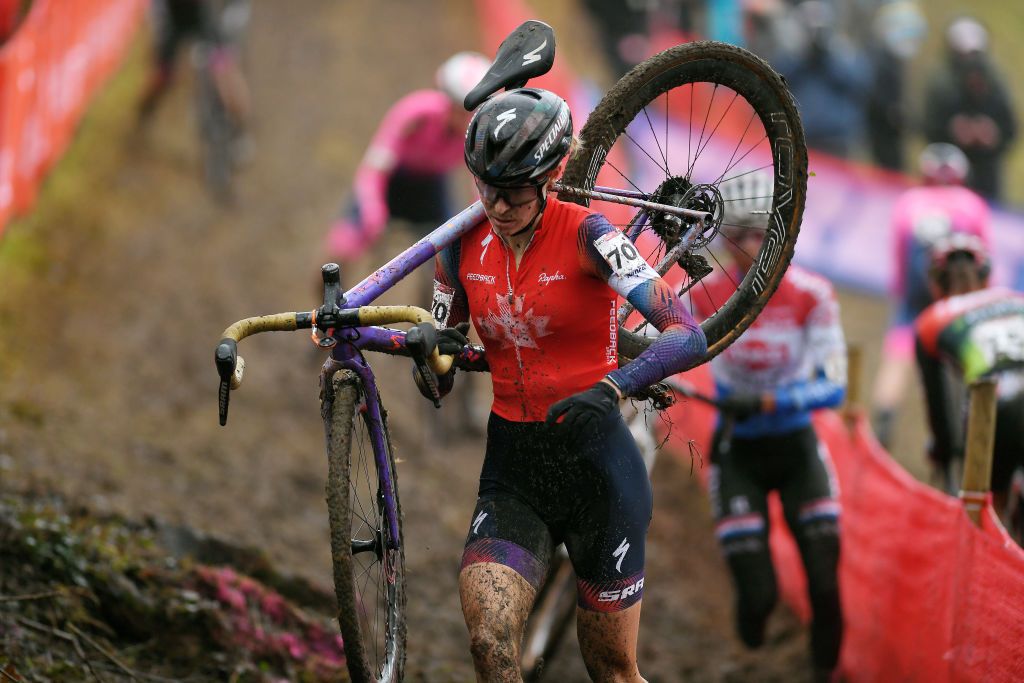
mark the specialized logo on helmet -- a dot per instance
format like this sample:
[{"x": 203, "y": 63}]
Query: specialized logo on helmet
[
  {"x": 555, "y": 134},
  {"x": 504, "y": 117},
  {"x": 534, "y": 54}
]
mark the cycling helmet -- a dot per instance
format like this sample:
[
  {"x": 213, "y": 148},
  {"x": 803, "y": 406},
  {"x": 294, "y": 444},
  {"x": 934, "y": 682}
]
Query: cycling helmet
[
  {"x": 943, "y": 164},
  {"x": 460, "y": 73},
  {"x": 747, "y": 199},
  {"x": 953, "y": 247},
  {"x": 517, "y": 137}
]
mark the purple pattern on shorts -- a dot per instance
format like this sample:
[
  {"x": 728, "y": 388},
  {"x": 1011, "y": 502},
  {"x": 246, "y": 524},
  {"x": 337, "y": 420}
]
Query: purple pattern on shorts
[{"x": 513, "y": 556}]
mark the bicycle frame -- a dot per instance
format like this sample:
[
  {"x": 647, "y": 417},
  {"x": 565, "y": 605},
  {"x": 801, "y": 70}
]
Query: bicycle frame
[{"x": 347, "y": 354}]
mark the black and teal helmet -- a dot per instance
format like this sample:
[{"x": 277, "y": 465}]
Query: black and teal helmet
[{"x": 516, "y": 137}]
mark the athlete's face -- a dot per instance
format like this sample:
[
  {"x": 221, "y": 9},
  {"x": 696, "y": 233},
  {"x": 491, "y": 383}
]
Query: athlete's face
[
  {"x": 743, "y": 244},
  {"x": 509, "y": 209}
]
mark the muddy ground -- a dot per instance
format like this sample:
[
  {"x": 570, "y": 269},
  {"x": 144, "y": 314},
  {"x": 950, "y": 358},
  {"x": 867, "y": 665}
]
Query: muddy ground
[{"x": 129, "y": 273}]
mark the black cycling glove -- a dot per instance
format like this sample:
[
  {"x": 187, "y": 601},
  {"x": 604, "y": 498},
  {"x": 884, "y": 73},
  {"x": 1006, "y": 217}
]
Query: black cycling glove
[
  {"x": 451, "y": 340},
  {"x": 741, "y": 406},
  {"x": 582, "y": 412}
]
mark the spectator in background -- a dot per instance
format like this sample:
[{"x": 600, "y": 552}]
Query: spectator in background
[
  {"x": 830, "y": 78},
  {"x": 968, "y": 104},
  {"x": 898, "y": 29},
  {"x": 921, "y": 217},
  {"x": 632, "y": 30}
]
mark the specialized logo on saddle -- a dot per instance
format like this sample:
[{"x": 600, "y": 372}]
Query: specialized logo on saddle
[
  {"x": 620, "y": 553},
  {"x": 553, "y": 134},
  {"x": 534, "y": 54},
  {"x": 544, "y": 278},
  {"x": 478, "y": 277},
  {"x": 504, "y": 117}
]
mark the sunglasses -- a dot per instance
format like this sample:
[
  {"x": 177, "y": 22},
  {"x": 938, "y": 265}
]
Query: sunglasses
[{"x": 513, "y": 196}]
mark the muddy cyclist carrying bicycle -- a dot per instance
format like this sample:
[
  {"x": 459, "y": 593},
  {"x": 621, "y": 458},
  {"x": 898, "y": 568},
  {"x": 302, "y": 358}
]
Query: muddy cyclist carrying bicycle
[{"x": 538, "y": 279}]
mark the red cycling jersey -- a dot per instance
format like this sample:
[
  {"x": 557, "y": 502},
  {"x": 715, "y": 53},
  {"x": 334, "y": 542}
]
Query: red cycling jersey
[{"x": 548, "y": 324}]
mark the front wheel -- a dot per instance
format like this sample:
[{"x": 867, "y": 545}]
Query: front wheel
[
  {"x": 366, "y": 549},
  {"x": 691, "y": 127}
]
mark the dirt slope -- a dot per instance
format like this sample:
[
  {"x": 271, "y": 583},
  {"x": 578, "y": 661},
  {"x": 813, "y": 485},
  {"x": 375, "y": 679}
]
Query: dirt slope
[{"x": 108, "y": 391}]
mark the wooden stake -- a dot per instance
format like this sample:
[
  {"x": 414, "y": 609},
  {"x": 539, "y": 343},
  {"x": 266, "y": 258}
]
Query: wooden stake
[
  {"x": 851, "y": 409},
  {"x": 981, "y": 432}
]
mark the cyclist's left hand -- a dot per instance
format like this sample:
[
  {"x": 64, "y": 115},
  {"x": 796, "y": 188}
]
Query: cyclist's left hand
[
  {"x": 742, "y": 405},
  {"x": 584, "y": 410},
  {"x": 451, "y": 340}
]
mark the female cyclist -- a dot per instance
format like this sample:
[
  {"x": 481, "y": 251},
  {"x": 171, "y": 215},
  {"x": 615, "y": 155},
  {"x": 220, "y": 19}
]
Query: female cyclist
[
  {"x": 538, "y": 279},
  {"x": 790, "y": 361},
  {"x": 976, "y": 331}
]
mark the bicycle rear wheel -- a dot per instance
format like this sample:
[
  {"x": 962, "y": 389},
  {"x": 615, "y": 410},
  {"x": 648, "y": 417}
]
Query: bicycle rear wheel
[
  {"x": 675, "y": 128},
  {"x": 217, "y": 133},
  {"x": 552, "y": 614},
  {"x": 367, "y": 556}
]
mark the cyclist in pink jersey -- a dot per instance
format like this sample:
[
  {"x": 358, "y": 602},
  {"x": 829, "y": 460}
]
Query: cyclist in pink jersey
[
  {"x": 403, "y": 174},
  {"x": 538, "y": 279},
  {"x": 921, "y": 217}
]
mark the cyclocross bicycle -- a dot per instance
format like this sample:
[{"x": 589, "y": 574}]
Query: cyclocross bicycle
[{"x": 668, "y": 133}]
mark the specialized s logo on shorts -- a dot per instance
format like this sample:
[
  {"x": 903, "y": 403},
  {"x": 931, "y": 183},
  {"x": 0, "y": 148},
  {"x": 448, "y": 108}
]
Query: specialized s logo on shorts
[
  {"x": 620, "y": 553},
  {"x": 441, "y": 306}
]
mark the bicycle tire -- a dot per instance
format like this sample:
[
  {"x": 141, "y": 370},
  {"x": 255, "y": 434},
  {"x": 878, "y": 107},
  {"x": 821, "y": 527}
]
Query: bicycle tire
[
  {"x": 370, "y": 657},
  {"x": 217, "y": 135},
  {"x": 553, "y": 612},
  {"x": 765, "y": 92}
]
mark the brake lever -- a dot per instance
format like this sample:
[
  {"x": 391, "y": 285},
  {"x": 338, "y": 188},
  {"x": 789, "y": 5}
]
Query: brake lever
[
  {"x": 421, "y": 340},
  {"x": 226, "y": 357}
]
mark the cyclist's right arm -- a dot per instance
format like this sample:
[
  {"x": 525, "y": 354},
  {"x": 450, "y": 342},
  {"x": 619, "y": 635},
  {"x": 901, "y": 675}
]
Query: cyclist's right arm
[
  {"x": 381, "y": 159},
  {"x": 450, "y": 305},
  {"x": 943, "y": 420}
]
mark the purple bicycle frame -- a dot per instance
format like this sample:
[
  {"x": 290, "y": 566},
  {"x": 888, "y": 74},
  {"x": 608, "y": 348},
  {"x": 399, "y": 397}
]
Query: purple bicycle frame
[{"x": 347, "y": 353}]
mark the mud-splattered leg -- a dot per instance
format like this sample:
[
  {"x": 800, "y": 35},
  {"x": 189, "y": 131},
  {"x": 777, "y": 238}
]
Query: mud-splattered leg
[
  {"x": 608, "y": 643},
  {"x": 495, "y": 602}
]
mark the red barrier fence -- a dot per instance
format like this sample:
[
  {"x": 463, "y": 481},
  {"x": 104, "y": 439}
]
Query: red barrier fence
[
  {"x": 49, "y": 69},
  {"x": 927, "y": 595}
]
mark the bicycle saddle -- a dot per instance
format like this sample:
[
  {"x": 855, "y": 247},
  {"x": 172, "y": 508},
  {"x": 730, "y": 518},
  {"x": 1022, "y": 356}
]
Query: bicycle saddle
[{"x": 526, "y": 53}]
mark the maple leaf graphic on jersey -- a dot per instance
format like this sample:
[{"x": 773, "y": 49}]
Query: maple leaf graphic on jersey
[{"x": 511, "y": 326}]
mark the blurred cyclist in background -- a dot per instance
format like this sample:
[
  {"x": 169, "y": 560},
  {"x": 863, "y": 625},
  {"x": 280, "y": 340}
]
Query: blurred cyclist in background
[
  {"x": 215, "y": 22},
  {"x": 977, "y": 331},
  {"x": 921, "y": 217},
  {"x": 790, "y": 361},
  {"x": 404, "y": 173}
]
